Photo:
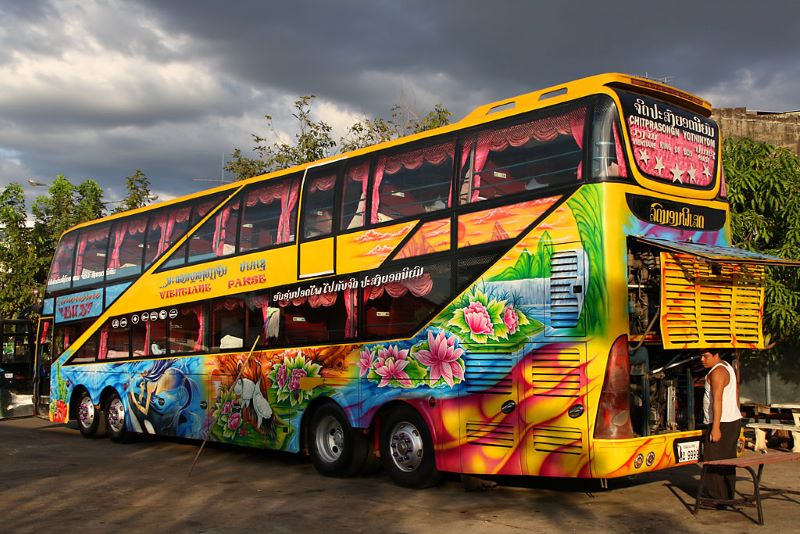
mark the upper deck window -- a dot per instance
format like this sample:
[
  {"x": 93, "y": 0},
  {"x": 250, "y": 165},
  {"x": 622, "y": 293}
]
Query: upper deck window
[
  {"x": 61, "y": 270},
  {"x": 269, "y": 214},
  {"x": 671, "y": 144},
  {"x": 166, "y": 226},
  {"x": 318, "y": 202},
  {"x": 217, "y": 236},
  {"x": 412, "y": 183},
  {"x": 90, "y": 258},
  {"x": 127, "y": 242},
  {"x": 511, "y": 159},
  {"x": 354, "y": 196}
]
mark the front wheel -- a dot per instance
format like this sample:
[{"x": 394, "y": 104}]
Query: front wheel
[
  {"x": 407, "y": 449},
  {"x": 88, "y": 416},
  {"x": 115, "y": 419},
  {"x": 336, "y": 448}
]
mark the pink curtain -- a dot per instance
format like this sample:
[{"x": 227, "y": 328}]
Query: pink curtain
[
  {"x": 119, "y": 236},
  {"x": 288, "y": 205},
  {"x": 45, "y": 330},
  {"x": 198, "y": 313},
  {"x": 221, "y": 228},
  {"x": 103, "y": 351},
  {"x": 351, "y": 309},
  {"x": 419, "y": 287},
  {"x": 548, "y": 129},
  {"x": 323, "y": 183},
  {"x": 315, "y": 301},
  {"x": 167, "y": 223},
  {"x": 86, "y": 238},
  {"x": 435, "y": 155},
  {"x": 63, "y": 255},
  {"x": 265, "y": 195}
]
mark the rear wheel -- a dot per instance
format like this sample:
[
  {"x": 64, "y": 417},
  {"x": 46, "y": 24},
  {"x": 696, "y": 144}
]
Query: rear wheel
[
  {"x": 88, "y": 416},
  {"x": 407, "y": 449},
  {"x": 115, "y": 419},
  {"x": 336, "y": 448}
]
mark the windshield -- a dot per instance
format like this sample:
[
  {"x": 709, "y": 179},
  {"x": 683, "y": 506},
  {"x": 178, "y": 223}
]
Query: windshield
[{"x": 671, "y": 144}]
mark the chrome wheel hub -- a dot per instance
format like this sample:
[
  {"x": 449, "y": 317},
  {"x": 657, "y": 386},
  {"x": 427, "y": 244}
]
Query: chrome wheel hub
[
  {"x": 406, "y": 447},
  {"x": 115, "y": 418},
  {"x": 86, "y": 412},
  {"x": 330, "y": 439}
]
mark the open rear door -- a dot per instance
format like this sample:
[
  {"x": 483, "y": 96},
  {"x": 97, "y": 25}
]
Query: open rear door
[{"x": 712, "y": 296}]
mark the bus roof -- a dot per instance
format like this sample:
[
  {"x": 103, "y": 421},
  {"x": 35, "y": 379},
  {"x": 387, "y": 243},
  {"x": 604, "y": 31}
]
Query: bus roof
[{"x": 500, "y": 109}]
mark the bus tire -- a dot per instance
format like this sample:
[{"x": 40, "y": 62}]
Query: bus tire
[
  {"x": 116, "y": 419},
  {"x": 336, "y": 448},
  {"x": 88, "y": 416},
  {"x": 407, "y": 449}
]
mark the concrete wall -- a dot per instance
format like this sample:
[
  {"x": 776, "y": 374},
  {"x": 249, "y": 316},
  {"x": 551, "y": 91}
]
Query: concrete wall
[{"x": 780, "y": 129}]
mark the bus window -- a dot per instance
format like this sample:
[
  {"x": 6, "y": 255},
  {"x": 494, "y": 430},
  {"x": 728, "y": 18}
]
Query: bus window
[
  {"x": 166, "y": 226},
  {"x": 262, "y": 321},
  {"x": 90, "y": 258},
  {"x": 398, "y": 308},
  {"x": 88, "y": 352},
  {"x": 61, "y": 270},
  {"x": 314, "y": 319},
  {"x": 523, "y": 157},
  {"x": 227, "y": 324},
  {"x": 186, "y": 332},
  {"x": 354, "y": 197},
  {"x": 217, "y": 236},
  {"x": 115, "y": 343},
  {"x": 269, "y": 212},
  {"x": 412, "y": 183},
  {"x": 608, "y": 156},
  {"x": 65, "y": 334},
  {"x": 149, "y": 338},
  {"x": 199, "y": 211},
  {"x": 317, "y": 217},
  {"x": 127, "y": 241}
]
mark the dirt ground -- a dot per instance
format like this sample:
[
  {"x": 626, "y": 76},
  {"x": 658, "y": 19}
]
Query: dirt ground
[{"x": 52, "y": 479}]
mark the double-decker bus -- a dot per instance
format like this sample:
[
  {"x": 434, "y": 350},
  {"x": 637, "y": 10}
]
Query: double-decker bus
[{"x": 519, "y": 293}]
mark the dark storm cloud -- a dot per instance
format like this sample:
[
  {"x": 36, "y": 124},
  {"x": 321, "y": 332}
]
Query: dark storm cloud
[{"x": 100, "y": 88}]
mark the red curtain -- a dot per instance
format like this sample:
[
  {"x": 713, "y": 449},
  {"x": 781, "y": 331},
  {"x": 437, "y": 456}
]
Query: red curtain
[
  {"x": 103, "y": 350},
  {"x": 435, "y": 155},
  {"x": 288, "y": 204},
  {"x": 419, "y": 287},
  {"x": 571, "y": 123}
]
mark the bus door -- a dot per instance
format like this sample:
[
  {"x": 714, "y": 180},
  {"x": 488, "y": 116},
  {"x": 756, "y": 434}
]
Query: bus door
[
  {"x": 317, "y": 250},
  {"x": 41, "y": 370},
  {"x": 553, "y": 409}
]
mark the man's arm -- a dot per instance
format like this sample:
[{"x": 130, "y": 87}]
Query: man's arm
[{"x": 719, "y": 379}]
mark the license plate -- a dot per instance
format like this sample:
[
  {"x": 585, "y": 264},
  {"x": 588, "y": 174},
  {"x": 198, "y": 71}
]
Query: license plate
[
  {"x": 688, "y": 451},
  {"x": 9, "y": 375}
]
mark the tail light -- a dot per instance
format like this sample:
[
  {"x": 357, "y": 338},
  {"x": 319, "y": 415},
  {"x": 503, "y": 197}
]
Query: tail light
[{"x": 614, "y": 415}]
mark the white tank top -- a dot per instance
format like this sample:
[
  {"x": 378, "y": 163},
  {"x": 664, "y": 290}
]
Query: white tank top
[{"x": 730, "y": 404}]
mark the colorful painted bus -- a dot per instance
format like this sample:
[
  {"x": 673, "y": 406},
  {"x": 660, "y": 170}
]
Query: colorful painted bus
[{"x": 523, "y": 292}]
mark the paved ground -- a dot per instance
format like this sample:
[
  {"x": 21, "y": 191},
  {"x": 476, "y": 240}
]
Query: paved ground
[{"x": 52, "y": 479}]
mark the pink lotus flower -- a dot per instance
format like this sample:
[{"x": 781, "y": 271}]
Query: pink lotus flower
[
  {"x": 226, "y": 408},
  {"x": 477, "y": 318},
  {"x": 442, "y": 358},
  {"x": 392, "y": 352},
  {"x": 294, "y": 381},
  {"x": 511, "y": 319},
  {"x": 281, "y": 376},
  {"x": 390, "y": 369},
  {"x": 234, "y": 421},
  {"x": 365, "y": 363}
]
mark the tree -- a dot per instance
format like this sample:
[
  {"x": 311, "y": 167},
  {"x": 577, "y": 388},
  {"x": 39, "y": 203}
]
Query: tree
[
  {"x": 763, "y": 184},
  {"x": 89, "y": 202},
  {"x": 314, "y": 140},
  {"x": 139, "y": 194},
  {"x": 19, "y": 263}
]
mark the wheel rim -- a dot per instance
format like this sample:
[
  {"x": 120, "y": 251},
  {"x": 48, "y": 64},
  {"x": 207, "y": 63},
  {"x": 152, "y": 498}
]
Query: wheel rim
[
  {"x": 330, "y": 439},
  {"x": 115, "y": 416},
  {"x": 86, "y": 412},
  {"x": 406, "y": 446}
]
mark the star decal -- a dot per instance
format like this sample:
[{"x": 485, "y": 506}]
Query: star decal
[
  {"x": 676, "y": 174},
  {"x": 659, "y": 165},
  {"x": 644, "y": 156},
  {"x": 706, "y": 171},
  {"x": 691, "y": 172}
]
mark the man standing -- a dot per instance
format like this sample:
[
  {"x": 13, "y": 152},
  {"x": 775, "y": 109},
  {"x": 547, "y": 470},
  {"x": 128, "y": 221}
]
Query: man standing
[{"x": 723, "y": 420}]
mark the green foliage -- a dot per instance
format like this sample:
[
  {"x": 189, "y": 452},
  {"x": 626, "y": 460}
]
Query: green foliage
[
  {"x": 139, "y": 194},
  {"x": 313, "y": 139},
  {"x": 18, "y": 256},
  {"x": 763, "y": 186},
  {"x": 586, "y": 208}
]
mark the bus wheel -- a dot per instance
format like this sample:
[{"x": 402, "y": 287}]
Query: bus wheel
[
  {"x": 407, "y": 449},
  {"x": 88, "y": 416},
  {"x": 115, "y": 419},
  {"x": 336, "y": 448}
]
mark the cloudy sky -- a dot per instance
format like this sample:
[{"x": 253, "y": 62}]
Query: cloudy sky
[{"x": 99, "y": 88}]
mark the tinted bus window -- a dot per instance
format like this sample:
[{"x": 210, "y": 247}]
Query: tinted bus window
[
  {"x": 127, "y": 243},
  {"x": 318, "y": 202},
  {"x": 90, "y": 258},
  {"x": 227, "y": 323},
  {"x": 354, "y": 196},
  {"x": 115, "y": 341},
  {"x": 200, "y": 210},
  {"x": 61, "y": 269},
  {"x": 412, "y": 183},
  {"x": 316, "y": 319},
  {"x": 186, "y": 329},
  {"x": 217, "y": 237},
  {"x": 149, "y": 338},
  {"x": 508, "y": 160},
  {"x": 166, "y": 226},
  {"x": 269, "y": 212}
]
